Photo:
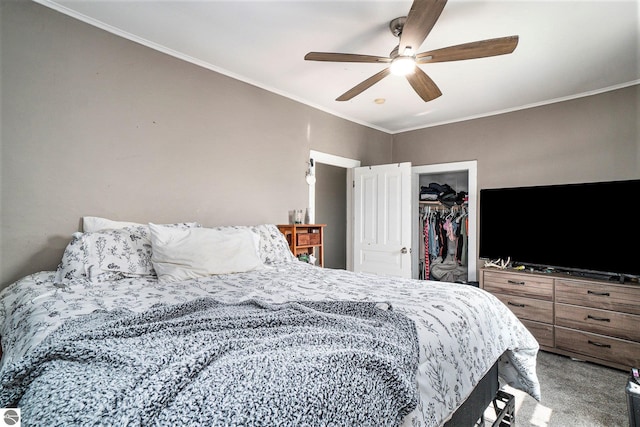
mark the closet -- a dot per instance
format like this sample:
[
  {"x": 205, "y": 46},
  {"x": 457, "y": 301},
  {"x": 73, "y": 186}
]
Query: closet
[
  {"x": 443, "y": 243},
  {"x": 444, "y": 236}
]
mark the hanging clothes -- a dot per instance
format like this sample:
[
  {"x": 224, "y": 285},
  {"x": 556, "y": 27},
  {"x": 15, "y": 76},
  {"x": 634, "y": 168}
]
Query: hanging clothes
[
  {"x": 444, "y": 243},
  {"x": 425, "y": 230}
]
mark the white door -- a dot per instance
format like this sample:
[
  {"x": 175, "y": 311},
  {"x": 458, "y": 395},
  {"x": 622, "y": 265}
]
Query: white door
[{"x": 382, "y": 220}]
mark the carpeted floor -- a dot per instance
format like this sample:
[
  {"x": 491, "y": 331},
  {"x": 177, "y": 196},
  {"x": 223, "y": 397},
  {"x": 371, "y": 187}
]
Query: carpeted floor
[{"x": 574, "y": 394}]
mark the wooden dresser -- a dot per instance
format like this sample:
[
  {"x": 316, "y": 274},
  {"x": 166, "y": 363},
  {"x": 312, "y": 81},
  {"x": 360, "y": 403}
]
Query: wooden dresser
[{"x": 587, "y": 319}]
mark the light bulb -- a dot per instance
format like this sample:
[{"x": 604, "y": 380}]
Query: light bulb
[
  {"x": 311, "y": 180},
  {"x": 403, "y": 65}
]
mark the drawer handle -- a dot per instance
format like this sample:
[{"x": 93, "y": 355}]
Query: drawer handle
[
  {"x": 600, "y": 294},
  {"x": 516, "y": 305},
  {"x": 597, "y": 344},
  {"x": 599, "y": 319},
  {"x": 515, "y": 282}
]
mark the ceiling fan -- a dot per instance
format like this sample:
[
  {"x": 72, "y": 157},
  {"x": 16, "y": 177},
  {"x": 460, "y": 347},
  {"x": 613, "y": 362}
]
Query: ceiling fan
[{"x": 403, "y": 60}]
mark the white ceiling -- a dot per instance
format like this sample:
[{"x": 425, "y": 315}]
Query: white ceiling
[{"x": 567, "y": 49}]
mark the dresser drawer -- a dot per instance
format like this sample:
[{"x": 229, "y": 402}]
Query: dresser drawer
[
  {"x": 615, "y": 350},
  {"x": 541, "y": 331},
  {"x": 528, "y": 308},
  {"x": 523, "y": 285},
  {"x": 615, "y": 324},
  {"x": 624, "y": 298}
]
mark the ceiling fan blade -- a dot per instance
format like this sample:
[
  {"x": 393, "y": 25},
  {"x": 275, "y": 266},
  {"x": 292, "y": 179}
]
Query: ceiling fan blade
[
  {"x": 358, "y": 89},
  {"x": 344, "y": 57},
  {"x": 472, "y": 50},
  {"x": 423, "y": 85},
  {"x": 420, "y": 20}
]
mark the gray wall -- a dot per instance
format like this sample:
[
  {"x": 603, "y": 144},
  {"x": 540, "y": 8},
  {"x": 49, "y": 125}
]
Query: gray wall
[
  {"x": 596, "y": 138},
  {"x": 93, "y": 124}
]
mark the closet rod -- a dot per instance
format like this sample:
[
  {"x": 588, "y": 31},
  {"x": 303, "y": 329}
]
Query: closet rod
[{"x": 440, "y": 206}]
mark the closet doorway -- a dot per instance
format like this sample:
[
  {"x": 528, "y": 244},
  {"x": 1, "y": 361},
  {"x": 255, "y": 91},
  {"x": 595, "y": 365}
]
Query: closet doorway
[
  {"x": 460, "y": 176},
  {"x": 330, "y": 202}
]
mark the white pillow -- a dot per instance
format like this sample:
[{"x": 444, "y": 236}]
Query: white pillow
[
  {"x": 199, "y": 252},
  {"x": 273, "y": 247},
  {"x": 94, "y": 223}
]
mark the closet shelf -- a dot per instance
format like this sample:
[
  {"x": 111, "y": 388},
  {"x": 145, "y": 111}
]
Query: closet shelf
[{"x": 435, "y": 203}]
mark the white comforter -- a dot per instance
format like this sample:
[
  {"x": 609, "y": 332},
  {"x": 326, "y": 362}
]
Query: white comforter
[{"x": 462, "y": 330}]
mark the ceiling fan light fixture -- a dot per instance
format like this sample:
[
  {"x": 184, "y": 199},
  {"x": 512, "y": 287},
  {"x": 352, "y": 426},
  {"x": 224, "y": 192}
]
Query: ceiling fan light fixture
[
  {"x": 403, "y": 65},
  {"x": 403, "y": 60}
]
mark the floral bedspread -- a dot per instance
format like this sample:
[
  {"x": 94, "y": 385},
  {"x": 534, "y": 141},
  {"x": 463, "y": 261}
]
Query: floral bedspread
[{"x": 462, "y": 330}]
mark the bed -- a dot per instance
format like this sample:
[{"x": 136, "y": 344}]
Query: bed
[{"x": 137, "y": 327}]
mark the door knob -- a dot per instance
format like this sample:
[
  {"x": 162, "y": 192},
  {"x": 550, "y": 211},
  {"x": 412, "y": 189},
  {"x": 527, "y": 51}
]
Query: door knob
[{"x": 403, "y": 250}]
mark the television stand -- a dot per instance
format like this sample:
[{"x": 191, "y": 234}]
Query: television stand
[{"x": 581, "y": 317}]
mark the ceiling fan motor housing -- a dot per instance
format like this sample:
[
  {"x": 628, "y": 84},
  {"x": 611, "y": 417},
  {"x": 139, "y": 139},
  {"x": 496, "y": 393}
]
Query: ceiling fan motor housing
[{"x": 397, "y": 25}]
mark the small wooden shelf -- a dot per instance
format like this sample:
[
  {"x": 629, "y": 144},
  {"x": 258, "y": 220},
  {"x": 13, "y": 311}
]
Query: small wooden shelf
[{"x": 305, "y": 239}]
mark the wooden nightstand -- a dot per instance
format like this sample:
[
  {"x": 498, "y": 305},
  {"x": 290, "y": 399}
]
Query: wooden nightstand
[{"x": 305, "y": 239}]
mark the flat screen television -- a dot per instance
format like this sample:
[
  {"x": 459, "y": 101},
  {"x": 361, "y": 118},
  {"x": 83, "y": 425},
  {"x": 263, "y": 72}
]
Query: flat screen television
[{"x": 589, "y": 229}]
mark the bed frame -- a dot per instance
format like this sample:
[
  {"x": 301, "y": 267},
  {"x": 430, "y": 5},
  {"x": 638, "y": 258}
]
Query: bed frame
[{"x": 487, "y": 392}]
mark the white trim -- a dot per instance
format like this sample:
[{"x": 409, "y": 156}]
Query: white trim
[
  {"x": 520, "y": 107},
  {"x": 471, "y": 167},
  {"x": 333, "y": 160},
  {"x": 343, "y": 162}
]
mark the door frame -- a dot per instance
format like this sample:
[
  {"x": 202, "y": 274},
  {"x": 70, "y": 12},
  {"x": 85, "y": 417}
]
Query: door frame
[
  {"x": 349, "y": 165},
  {"x": 471, "y": 167}
]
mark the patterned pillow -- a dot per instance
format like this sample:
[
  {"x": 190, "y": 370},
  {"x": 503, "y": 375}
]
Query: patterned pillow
[
  {"x": 118, "y": 253},
  {"x": 109, "y": 254},
  {"x": 273, "y": 245},
  {"x": 74, "y": 259}
]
